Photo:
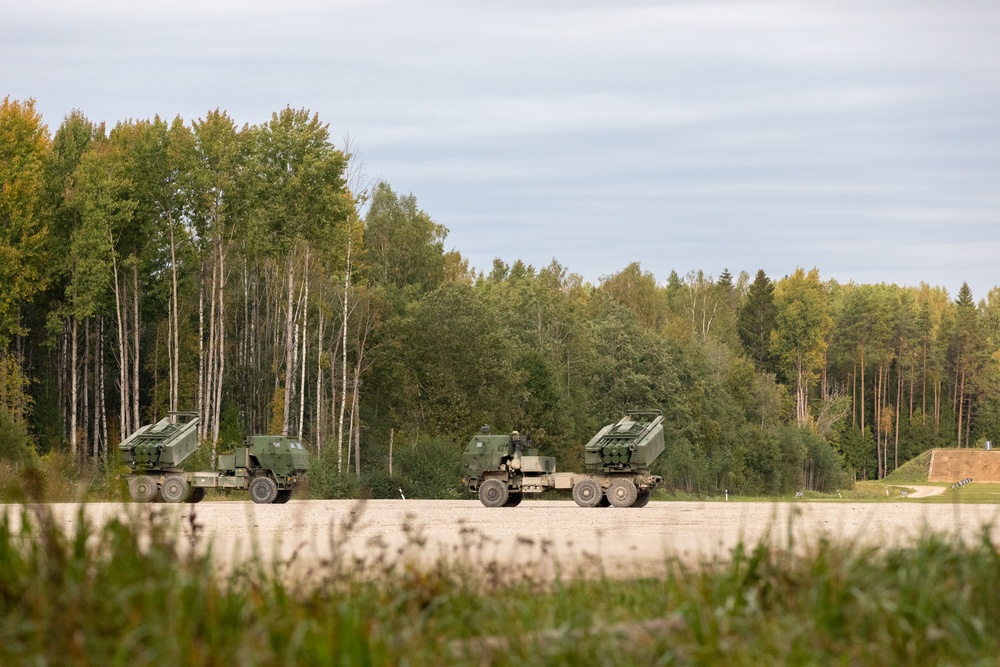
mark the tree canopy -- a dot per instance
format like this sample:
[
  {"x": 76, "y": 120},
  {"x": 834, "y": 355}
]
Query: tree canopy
[{"x": 240, "y": 272}]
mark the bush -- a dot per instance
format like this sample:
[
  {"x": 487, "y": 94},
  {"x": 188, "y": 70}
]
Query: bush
[
  {"x": 326, "y": 482},
  {"x": 429, "y": 469},
  {"x": 808, "y": 461},
  {"x": 824, "y": 467},
  {"x": 15, "y": 445}
]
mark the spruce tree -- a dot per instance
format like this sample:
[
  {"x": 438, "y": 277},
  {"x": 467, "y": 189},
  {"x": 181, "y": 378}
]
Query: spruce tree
[
  {"x": 726, "y": 279},
  {"x": 756, "y": 321}
]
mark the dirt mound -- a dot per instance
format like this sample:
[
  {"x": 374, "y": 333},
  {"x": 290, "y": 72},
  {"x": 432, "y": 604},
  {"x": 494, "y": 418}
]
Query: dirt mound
[{"x": 954, "y": 465}]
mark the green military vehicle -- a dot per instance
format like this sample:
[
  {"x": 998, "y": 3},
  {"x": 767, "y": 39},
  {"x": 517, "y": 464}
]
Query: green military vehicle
[
  {"x": 617, "y": 461},
  {"x": 268, "y": 466}
]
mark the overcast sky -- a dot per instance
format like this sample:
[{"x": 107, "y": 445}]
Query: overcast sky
[{"x": 862, "y": 138}]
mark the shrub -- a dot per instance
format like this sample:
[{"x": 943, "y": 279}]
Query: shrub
[{"x": 15, "y": 445}]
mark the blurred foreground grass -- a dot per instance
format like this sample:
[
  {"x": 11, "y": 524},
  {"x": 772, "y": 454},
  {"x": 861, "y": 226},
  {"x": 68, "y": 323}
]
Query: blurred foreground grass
[{"x": 133, "y": 592}]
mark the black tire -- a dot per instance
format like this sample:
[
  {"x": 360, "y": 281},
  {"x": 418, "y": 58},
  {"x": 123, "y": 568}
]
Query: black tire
[
  {"x": 622, "y": 492},
  {"x": 642, "y": 499},
  {"x": 197, "y": 494},
  {"x": 283, "y": 497},
  {"x": 493, "y": 493},
  {"x": 587, "y": 493},
  {"x": 174, "y": 489},
  {"x": 143, "y": 489},
  {"x": 513, "y": 499},
  {"x": 263, "y": 490}
]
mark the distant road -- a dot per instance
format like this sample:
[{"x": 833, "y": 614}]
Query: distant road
[{"x": 923, "y": 491}]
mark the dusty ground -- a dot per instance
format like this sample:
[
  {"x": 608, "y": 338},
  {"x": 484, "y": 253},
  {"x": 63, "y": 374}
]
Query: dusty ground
[{"x": 540, "y": 533}]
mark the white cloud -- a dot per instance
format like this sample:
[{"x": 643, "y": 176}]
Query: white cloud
[{"x": 737, "y": 134}]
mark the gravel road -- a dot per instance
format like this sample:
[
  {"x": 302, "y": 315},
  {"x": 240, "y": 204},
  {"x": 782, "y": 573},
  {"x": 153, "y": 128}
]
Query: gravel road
[{"x": 542, "y": 534}]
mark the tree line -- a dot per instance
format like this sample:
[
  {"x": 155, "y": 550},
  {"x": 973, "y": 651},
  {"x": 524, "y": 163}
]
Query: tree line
[{"x": 253, "y": 274}]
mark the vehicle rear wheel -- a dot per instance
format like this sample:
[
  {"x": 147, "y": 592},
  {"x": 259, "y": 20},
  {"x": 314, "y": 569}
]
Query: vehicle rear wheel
[
  {"x": 143, "y": 489},
  {"x": 175, "y": 489},
  {"x": 642, "y": 499},
  {"x": 263, "y": 490},
  {"x": 622, "y": 492},
  {"x": 493, "y": 493},
  {"x": 197, "y": 494},
  {"x": 283, "y": 497},
  {"x": 587, "y": 493},
  {"x": 513, "y": 500}
]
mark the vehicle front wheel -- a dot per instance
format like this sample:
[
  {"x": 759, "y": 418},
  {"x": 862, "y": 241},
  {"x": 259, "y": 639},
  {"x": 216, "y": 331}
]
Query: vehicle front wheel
[
  {"x": 493, "y": 493},
  {"x": 263, "y": 490}
]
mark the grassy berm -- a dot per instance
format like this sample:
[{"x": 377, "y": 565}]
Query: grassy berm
[{"x": 129, "y": 593}]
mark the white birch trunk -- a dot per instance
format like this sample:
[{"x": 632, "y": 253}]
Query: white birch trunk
[
  {"x": 85, "y": 384},
  {"x": 304, "y": 328},
  {"x": 221, "y": 354},
  {"x": 104, "y": 406},
  {"x": 74, "y": 382},
  {"x": 175, "y": 357},
  {"x": 961, "y": 402},
  {"x": 135, "y": 343},
  {"x": 96, "y": 424},
  {"x": 210, "y": 367},
  {"x": 318, "y": 430},
  {"x": 334, "y": 354},
  {"x": 343, "y": 391},
  {"x": 289, "y": 333},
  {"x": 200, "y": 399},
  {"x": 290, "y": 378},
  {"x": 60, "y": 379},
  {"x": 122, "y": 356}
]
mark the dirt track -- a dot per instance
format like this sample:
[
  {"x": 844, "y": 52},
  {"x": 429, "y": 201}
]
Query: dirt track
[{"x": 543, "y": 532}]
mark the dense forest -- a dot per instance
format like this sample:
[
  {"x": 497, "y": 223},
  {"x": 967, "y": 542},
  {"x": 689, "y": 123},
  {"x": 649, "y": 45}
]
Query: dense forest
[{"x": 254, "y": 275}]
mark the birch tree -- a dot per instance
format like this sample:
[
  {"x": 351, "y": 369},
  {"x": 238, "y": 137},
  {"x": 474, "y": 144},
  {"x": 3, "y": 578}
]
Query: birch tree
[
  {"x": 306, "y": 203},
  {"x": 219, "y": 195},
  {"x": 82, "y": 277},
  {"x": 24, "y": 144},
  {"x": 800, "y": 336},
  {"x": 100, "y": 192}
]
